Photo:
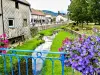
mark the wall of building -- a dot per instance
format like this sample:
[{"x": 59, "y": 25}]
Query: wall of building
[
  {"x": 1, "y": 25},
  {"x": 18, "y": 15},
  {"x": 38, "y": 18}
]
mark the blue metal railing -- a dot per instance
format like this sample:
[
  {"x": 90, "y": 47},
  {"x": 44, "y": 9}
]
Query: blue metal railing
[{"x": 14, "y": 55}]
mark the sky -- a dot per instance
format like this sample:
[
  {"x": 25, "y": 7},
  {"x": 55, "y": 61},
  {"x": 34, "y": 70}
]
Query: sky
[{"x": 52, "y": 5}]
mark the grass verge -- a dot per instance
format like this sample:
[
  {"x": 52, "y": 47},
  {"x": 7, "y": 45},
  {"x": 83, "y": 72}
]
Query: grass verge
[{"x": 47, "y": 69}]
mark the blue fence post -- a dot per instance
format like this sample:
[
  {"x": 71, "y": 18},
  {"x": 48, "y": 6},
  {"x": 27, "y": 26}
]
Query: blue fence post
[
  {"x": 34, "y": 66},
  {"x": 62, "y": 62},
  {"x": 11, "y": 64},
  {"x": 19, "y": 73},
  {"x": 26, "y": 65}
]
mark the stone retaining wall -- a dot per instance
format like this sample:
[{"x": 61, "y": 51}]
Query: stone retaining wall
[{"x": 49, "y": 26}]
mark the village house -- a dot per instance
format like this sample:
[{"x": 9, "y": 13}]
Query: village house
[
  {"x": 15, "y": 19},
  {"x": 37, "y": 17},
  {"x": 49, "y": 19},
  {"x": 61, "y": 18}
]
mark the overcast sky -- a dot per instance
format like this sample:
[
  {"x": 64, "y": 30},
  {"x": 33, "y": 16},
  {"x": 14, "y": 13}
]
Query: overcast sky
[{"x": 53, "y": 5}]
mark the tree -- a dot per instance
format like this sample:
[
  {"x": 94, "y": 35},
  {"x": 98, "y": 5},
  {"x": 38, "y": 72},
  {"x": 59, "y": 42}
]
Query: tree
[
  {"x": 78, "y": 11},
  {"x": 74, "y": 10},
  {"x": 94, "y": 10}
]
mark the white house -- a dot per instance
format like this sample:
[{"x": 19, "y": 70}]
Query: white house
[
  {"x": 60, "y": 19},
  {"x": 15, "y": 18},
  {"x": 37, "y": 17},
  {"x": 48, "y": 19}
]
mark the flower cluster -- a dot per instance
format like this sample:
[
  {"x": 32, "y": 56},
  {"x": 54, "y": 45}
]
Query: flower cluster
[
  {"x": 3, "y": 43},
  {"x": 84, "y": 54}
]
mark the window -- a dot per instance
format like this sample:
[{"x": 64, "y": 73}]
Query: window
[
  {"x": 25, "y": 22},
  {"x": 16, "y": 4},
  {"x": 11, "y": 22}
]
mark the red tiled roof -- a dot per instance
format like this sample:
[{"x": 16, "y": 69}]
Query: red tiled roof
[{"x": 37, "y": 12}]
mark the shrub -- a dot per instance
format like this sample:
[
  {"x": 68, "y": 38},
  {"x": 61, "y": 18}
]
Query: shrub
[
  {"x": 34, "y": 31},
  {"x": 88, "y": 28},
  {"x": 76, "y": 29}
]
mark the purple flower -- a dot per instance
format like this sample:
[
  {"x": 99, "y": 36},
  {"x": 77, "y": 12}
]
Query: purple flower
[
  {"x": 83, "y": 54},
  {"x": 98, "y": 73},
  {"x": 93, "y": 43},
  {"x": 97, "y": 38},
  {"x": 74, "y": 65},
  {"x": 96, "y": 61},
  {"x": 79, "y": 68},
  {"x": 92, "y": 53},
  {"x": 98, "y": 53}
]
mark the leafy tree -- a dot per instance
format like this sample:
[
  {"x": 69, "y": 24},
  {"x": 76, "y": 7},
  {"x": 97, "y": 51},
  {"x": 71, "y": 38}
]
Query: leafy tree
[
  {"x": 78, "y": 11},
  {"x": 94, "y": 10},
  {"x": 81, "y": 11}
]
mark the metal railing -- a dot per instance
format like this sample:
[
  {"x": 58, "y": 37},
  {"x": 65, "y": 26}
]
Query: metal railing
[{"x": 15, "y": 56}]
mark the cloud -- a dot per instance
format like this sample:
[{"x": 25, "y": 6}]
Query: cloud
[{"x": 53, "y": 5}]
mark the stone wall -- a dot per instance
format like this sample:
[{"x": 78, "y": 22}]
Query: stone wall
[{"x": 42, "y": 27}]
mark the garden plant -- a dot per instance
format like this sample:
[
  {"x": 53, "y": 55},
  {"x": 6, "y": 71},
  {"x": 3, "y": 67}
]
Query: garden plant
[
  {"x": 3, "y": 43},
  {"x": 83, "y": 54}
]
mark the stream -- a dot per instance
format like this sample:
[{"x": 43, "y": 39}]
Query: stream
[{"x": 43, "y": 47}]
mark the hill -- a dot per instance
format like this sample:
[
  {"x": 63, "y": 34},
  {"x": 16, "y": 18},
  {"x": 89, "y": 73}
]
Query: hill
[{"x": 51, "y": 12}]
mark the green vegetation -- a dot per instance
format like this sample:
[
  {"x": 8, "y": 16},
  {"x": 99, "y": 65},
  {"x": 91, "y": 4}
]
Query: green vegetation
[
  {"x": 87, "y": 29},
  {"x": 47, "y": 32},
  {"x": 31, "y": 44},
  {"x": 34, "y": 31},
  {"x": 57, "y": 42},
  {"x": 82, "y": 11},
  {"x": 28, "y": 45},
  {"x": 47, "y": 70}
]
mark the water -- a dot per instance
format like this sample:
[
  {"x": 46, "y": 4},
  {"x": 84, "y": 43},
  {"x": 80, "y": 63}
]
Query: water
[{"x": 43, "y": 47}]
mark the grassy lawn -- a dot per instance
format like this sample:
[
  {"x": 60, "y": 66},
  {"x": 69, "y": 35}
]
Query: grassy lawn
[
  {"x": 47, "y": 70},
  {"x": 47, "y": 32},
  {"x": 57, "y": 42},
  {"x": 31, "y": 44}
]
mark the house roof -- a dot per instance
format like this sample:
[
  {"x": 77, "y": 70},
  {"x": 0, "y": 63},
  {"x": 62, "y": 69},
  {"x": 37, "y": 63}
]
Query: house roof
[
  {"x": 37, "y": 12},
  {"x": 22, "y": 2}
]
